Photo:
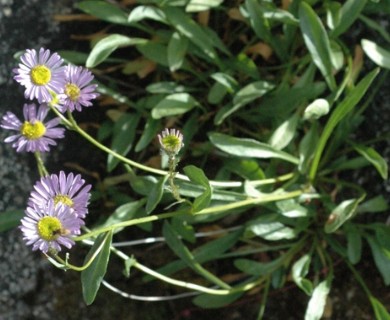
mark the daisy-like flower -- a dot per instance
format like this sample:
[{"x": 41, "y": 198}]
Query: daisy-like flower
[
  {"x": 33, "y": 134},
  {"x": 171, "y": 141},
  {"x": 51, "y": 227},
  {"x": 68, "y": 190},
  {"x": 40, "y": 72},
  {"x": 78, "y": 89}
]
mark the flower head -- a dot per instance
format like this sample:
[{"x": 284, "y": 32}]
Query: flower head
[
  {"x": 78, "y": 90},
  {"x": 68, "y": 190},
  {"x": 40, "y": 73},
  {"x": 50, "y": 227},
  {"x": 171, "y": 141},
  {"x": 33, "y": 134}
]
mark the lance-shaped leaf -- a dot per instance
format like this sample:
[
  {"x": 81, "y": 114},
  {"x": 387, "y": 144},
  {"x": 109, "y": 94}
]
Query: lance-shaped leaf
[
  {"x": 104, "y": 10},
  {"x": 104, "y": 47},
  {"x": 317, "y": 42},
  {"x": 155, "y": 194},
  {"x": 92, "y": 277},
  {"x": 299, "y": 271},
  {"x": 376, "y": 53},
  {"x": 197, "y": 176},
  {"x": 348, "y": 14},
  {"x": 174, "y": 104},
  {"x": 248, "y": 148},
  {"x": 374, "y": 158},
  {"x": 343, "y": 212},
  {"x": 316, "y": 306}
]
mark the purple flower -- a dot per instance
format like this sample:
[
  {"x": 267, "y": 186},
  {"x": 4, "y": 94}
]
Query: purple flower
[
  {"x": 51, "y": 227},
  {"x": 33, "y": 134},
  {"x": 41, "y": 74},
  {"x": 69, "y": 190},
  {"x": 78, "y": 90}
]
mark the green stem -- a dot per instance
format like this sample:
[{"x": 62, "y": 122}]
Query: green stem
[
  {"x": 41, "y": 166},
  {"x": 263, "y": 302},
  {"x": 211, "y": 210}
]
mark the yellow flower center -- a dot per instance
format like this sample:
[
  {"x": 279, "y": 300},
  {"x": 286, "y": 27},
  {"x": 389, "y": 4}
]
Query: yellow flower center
[
  {"x": 40, "y": 75},
  {"x": 33, "y": 131},
  {"x": 171, "y": 143},
  {"x": 72, "y": 91},
  {"x": 49, "y": 228},
  {"x": 60, "y": 198}
]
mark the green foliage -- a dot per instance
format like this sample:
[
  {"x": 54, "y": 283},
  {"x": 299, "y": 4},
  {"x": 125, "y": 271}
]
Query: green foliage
[{"x": 269, "y": 99}]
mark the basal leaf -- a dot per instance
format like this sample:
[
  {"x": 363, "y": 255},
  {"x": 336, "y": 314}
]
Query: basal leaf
[
  {"x": 299, "y": 271},
  {"x": 342, "y": 109},
  {"x": 348, "y": 14},
  {"x": 382, "y": 261},
  {"x": 177, "y": 48},
  {"x": 104, "y": 47},
  {"x": 380, "y": 310},
  {"x": 283, "y": 134},
  {"x": 343, "y": 212},
  {"x": 374, "y": 158},
  {"x": 248, "y": 148},
  {"x": 140, "y": 13},
  {"x": 317, "y": 42},
  {"x": 174, "y": 104},
  {"x": 92, "y": 277},
  {"x": 209, "y": 301},
  {"x": 202, "y": 5},
  {"x": 104, "y": 10},
  {"x": 376, "y": 53},
  {"x": 317, "y": 302}
]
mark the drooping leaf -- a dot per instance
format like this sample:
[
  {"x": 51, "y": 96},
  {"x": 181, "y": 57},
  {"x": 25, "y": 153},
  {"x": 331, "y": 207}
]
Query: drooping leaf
[
  {"x": 317, "y": 42},
  {"x": 374, "y": 158},
  {"x": 316, "y": 306},
  {"x": 248, "y": 148},
  {"x": 299, "y": 271},
  {"x": 104, "y": 47},
  {"x": 92, "y": 277}
]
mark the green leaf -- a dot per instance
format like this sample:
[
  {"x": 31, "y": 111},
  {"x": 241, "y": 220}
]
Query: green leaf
[
  {"x": 226, "y": 80},
  {"x": 374, "y": 158},
  {"x": 140, "y": 13},
  {"x": 246, "y": 95},
  {"x": 104, "y": 47},
  {"x": 197, "y": 176},
  {"x": 376, "y": 204},
  {"x": 174, "y": 104},
  {"x": 317, "y": 42},
  {"x": 317, "y": 302},
  {"x": 307, "y": 148},
  {"x": 202, "y": 5},
  {"x": 376, "y": 53},
  {"x": 382, "y": 261},
  {"x": 177, "y": 48},
  {"x": 216, "y": 94},
  {"x": 92, "y": 277},
  {"x": 104, "y": 10},
  {"x": 123, "y": 138},
  {"x": 349, "y": 12},
  {"x": 190, "y": 29},
  {"x": 209, "y": 301},
  {"x": 270, "y": 230},
  {"x": 155, "y": 194},
  {"x": 342, "y": 109},
  {"x": 148, "y": 134},
  {"x": 124, "y": 212},
  {"x": 283, "y": 134},
  {"x": 299, "y": 271},
  {"x": 380, "y": 310},
  {"x": 291, "y": 208},
  {"x": 248, "y": 148},
  {"x": 343, "y": 212},
  {"x": 10, "y": 219},
  {"x": 256, "y": 268},
  {"x": 354, "y": 244}
]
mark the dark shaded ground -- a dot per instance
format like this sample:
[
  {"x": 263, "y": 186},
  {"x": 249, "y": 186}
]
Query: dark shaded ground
[{"x": 30, "y": 288}]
